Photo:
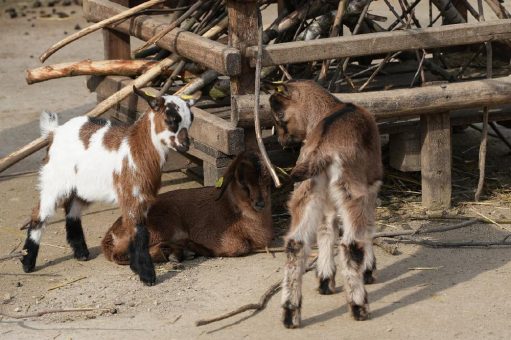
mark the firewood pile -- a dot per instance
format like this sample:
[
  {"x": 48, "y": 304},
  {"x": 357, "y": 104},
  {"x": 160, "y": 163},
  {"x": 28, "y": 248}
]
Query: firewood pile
[{"x": 304, "y": 21}]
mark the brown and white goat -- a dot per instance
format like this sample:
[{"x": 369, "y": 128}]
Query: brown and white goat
[
  {"x": 230, "y": 221},
  {"x": 91, "y": 160},
  {"x": 340, "y": 166}
]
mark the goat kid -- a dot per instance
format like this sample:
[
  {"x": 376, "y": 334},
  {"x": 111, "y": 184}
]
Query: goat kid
[
  {"x": 230, "y": 221},
  {"x": 91, "y": 160},
  {"x": 340, "y": 166}
]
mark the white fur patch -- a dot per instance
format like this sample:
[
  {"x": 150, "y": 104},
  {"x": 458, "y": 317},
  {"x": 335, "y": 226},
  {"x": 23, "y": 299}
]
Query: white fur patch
[{"x": 35, "y": 235}]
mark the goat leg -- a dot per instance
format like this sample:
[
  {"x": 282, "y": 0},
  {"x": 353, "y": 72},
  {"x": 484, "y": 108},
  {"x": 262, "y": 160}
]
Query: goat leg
[
  {"x": 292, "y": 284},
  {"x": 140, "y": 259}
]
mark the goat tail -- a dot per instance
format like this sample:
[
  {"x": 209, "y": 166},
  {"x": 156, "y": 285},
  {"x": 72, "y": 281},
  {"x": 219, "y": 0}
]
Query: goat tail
[
  {"x": 48, "y": 122},
  {"x": 310, "y": 167}
]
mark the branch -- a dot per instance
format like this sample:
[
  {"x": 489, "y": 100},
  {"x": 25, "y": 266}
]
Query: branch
[
  {"x": 173, "y": 25},
  {"x": 426, "y": 231},
  {"x": 256, "y": 307},
  {"x": 257, "y": 121},
  {"x": 18, "y": 254},
  {"x": 52, "y": 311},
  {"x": 102, "y": 24},
  {"x": 87, "y": 67}
]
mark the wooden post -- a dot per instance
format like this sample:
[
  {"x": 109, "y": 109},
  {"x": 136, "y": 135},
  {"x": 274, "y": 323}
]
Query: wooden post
[
  {"x": 117, "y": 45},
  {"x": 242, "y": 34},
  {"x": 436, "y": 161}
]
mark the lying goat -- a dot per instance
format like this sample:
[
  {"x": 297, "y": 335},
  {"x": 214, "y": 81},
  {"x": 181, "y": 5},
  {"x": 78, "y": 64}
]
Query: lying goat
[
  {"x": 340, "y": 164},
  {"x": 93, "y": 160},
  {"x": 230, "y": 221}
]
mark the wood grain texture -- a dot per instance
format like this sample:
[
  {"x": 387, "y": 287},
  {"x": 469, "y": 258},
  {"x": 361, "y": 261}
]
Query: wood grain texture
[
  {"x": 436, "y": 161},
  {"x": 402, "y": 102},
  {"x": 211, "y": 54},
  {"x": 382, "y": 42}
]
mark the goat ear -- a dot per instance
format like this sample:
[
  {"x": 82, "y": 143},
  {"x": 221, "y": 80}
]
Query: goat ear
[{"x": 156, "y": 103}]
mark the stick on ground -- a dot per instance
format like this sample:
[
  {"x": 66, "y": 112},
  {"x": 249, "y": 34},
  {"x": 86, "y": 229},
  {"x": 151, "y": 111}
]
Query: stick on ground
[
  {"x": 256, "y": 307},
  {"x": 53, "y": 311}
]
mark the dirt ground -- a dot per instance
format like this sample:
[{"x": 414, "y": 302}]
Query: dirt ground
[{"x": 421, "y": 293}]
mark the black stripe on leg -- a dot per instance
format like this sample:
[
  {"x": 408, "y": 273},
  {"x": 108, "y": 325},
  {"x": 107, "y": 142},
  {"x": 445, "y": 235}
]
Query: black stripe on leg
[
  {"x": 142, "y": 258},
  {"x": 325, "y": 286},
  {"x": 32, "y": 250},
  {"x": 368, "y": 274},
  {"x": 356, "y": 254},
  {"x": 76, "y": 239}
]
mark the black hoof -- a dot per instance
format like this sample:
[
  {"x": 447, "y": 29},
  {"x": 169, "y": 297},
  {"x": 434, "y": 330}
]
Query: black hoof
[
  {"x": 28, "y": 267},
  {"x": 359, "y": 313},
  {"x": 148, "y": 278},
  {"x": 368, "y": 277},
  {"x": 291, "y": 316},
  {"x": 82, "y": 254},
  {"x": 326, "y": 286}
]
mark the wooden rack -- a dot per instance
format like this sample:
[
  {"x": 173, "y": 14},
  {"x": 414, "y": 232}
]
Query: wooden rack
[{"x": 216, "y": 138}]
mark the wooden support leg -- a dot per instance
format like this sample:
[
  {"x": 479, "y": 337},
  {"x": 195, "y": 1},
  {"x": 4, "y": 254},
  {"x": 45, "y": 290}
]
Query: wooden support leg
[
  {"x": 117, "y": 45},
  {"x": 212, "y": 172},
  {"x": 243, "y": 33},
  {"x": 436, "y": 161}
]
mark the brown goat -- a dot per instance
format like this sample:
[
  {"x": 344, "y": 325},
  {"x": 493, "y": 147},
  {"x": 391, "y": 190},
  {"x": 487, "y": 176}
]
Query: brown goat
[
  {"x": 230, "y": 221},
  {"x": 340, "y": 166}
]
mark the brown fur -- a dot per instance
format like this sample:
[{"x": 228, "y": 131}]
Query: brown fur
[
  {"x": 86, "y": 132},
  {"x": 341, "y": 169},
  {"x": 208, "y": 221},
  {"x": 113, "y": 137}
]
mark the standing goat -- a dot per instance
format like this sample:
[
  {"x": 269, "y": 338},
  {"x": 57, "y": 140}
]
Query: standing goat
[
  {"x": 230, "y": 221},
  {"x": 340, "y": 166},
  {"x": 93, "y": 160}
]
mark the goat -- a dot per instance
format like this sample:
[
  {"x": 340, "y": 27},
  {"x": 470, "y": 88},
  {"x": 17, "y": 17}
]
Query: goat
[
  {"x": 230, "y": 221},
  {"x": 92, "y": 160},
  {"x": 341, "y": 169}
]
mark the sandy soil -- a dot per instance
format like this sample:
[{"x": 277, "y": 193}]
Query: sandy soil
[{"x": 459, "y": 293}]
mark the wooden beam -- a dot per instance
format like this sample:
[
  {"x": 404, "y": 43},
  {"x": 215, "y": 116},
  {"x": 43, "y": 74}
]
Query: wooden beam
[
  {"x": 382, "y": 42},
  {"x": 436, "y": 161},
  {"x": 211, "y": 54},
  {"x": 243, "y": 33},
  {"x": 402, "y": 102},
  {"x": 207, "y": 128}
]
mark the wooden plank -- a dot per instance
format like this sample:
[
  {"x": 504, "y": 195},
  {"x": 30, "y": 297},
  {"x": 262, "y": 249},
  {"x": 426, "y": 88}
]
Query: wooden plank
[
  {"x": 207, "y": 129},
  {"x": 405, "y": 150},
  {"x": 382, "y": 42},
  {"x": 436, "y": 161},
  {"x": 116, "y": 45},
  {"x": 402, "y": 102},
  {"x": 211, "y": 54},
  {"x": 243, "y": 33}
]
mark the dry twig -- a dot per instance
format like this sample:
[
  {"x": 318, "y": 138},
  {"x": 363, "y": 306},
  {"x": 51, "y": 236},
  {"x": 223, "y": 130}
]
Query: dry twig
[
  {"x": 257, "y": 121},
  {"x": 256, "y": 307},
  {"x": 18, "y": 254},
  {"x": 53, "y": 311},
  {"x": 102, "y": 24}
]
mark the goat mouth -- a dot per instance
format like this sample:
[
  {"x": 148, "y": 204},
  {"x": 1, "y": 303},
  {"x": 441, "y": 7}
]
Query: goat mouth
[{"x": 182, "y": 148}]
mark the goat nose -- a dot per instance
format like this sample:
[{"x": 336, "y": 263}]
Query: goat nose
[{"x": 259, "y": 204}]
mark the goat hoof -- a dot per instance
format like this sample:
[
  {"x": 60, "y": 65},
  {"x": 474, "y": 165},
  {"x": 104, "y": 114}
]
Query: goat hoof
[
  {"x": 28, "y": 268},
  {"x": 368, "y": 277},
  {"x": 291, "y": 317},
  {"x": 359, "y": 313},
  {"x": 28, "y": 264},
  {"x": 82, "y": 255},
  {"x": 326, "y": 286},
  {"x": 148, "y": 277}
]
